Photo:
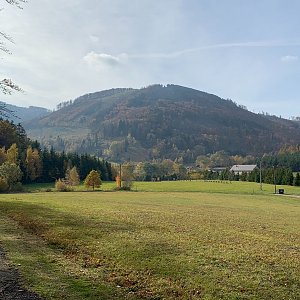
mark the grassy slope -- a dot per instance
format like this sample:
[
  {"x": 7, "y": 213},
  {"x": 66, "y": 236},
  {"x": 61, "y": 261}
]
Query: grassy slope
[{"x": 155, "y": 245}]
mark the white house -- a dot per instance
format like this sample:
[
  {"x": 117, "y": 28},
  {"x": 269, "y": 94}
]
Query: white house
[{"x": 239, "y": 169}]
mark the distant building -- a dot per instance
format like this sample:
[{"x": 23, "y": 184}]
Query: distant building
[
  {"x": 239, "y": 169},
  {"x": 218, "y": 169}
]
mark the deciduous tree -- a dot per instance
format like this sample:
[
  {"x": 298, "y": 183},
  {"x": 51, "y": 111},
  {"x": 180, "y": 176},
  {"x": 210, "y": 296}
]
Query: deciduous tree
[
  {"x": 11, "y": 173},
  {"x": 3, "y": 185},
  {"x": 6, "y": 85},
  {"x": 127, "y": 176},
  {"x": 93, "y": 180},
  {"x": 33, "y": 164},
  {"x": 2, "y": 155},
  {"x": 12, "y": 154},
  {"x": 72, "y": 176}
]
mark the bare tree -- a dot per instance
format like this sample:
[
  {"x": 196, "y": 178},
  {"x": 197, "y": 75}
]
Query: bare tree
[
  {"x": 6, "y": 85},
  {"x": 16, "y": 2},
  {"x": 3, "y": 36}
]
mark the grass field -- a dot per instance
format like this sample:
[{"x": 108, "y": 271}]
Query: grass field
[
  {"x": 223, "y": 187},
  {"x": 154, "y": 245}
]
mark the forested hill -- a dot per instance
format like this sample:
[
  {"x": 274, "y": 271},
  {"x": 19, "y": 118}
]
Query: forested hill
[
  {"x": 24, "y": 114},
  {"x": 160, "y": 122}
]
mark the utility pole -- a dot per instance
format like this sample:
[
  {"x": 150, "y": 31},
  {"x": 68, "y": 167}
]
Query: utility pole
[
  {"x": 260, "y": 176},
  {"x": 120, "y": 170},
  {"x": 274, "y": 179}
]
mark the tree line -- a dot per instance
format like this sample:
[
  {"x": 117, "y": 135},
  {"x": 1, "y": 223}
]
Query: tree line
[
  {"x": 23, "y": 161},
  {"x": 288, "y": 156},
  {"x": 279, "y": 175}
]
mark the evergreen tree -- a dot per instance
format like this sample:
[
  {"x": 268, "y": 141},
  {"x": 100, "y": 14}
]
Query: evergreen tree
[
  {"x": 289, "y": 177},
  {"x": 244, "y": 176},
  {"x": 297, "y": 180}
]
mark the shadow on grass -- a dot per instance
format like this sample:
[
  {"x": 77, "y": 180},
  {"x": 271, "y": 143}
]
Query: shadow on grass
[{"x": 71, "y": 234}]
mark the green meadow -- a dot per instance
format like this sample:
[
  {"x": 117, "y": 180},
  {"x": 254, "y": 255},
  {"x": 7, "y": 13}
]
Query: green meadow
[
  {"x": 216, "y": 186},
  {"x": 164, "y": 240}
]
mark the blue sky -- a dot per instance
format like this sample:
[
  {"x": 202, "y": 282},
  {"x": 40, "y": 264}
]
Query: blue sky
[{"x": 248, "y": 51}]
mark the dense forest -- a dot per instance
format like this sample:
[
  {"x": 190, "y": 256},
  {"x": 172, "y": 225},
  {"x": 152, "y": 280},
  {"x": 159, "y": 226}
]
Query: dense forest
[
  {"x": 160, "y": 122},
  {"x": 22, "y": 160}
]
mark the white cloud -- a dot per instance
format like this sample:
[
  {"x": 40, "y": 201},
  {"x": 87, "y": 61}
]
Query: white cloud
[
  {"x": 97, "y": 60},
  {"x": 94, "y": 38},
  {"x": 289, "y": 58}
]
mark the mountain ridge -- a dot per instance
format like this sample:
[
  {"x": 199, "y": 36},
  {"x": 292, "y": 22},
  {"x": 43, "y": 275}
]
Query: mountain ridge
[
  {"x": 159, "y": 122},
  {"x": 23, "y": 114}
]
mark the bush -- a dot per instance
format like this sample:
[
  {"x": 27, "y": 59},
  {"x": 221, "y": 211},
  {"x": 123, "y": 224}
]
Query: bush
[
  {"x": 12, "y": 174},
  {"x": 17, "y": 187},
  {"x": 3, "y": 185},
  {"x": 123, "y": 188},
  {"x": 61, "y": 186}
]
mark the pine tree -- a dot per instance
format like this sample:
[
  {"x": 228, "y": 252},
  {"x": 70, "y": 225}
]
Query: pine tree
[
  {"x": 289, "y": 177},
  {"x": 297, "y": 180}
]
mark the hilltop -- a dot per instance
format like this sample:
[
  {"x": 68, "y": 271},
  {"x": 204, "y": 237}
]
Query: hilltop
[
  {"x": 25, "y": 114},
  {"x": 160, "y": 122}
]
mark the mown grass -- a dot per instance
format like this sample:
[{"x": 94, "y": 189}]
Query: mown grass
[
  {"x": 152, "y": 245},
  {"x": 223, "y": 187}
]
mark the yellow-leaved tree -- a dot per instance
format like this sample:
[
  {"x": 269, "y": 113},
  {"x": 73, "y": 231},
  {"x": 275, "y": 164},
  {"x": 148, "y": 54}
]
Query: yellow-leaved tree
[
  {"x": 93, "y": 180},
  {"x": 72, "y": 176},
  {"x": 2, "y": 156},
  {"x": 12, "y": 154},
  {"x": 33, "y": 163}
]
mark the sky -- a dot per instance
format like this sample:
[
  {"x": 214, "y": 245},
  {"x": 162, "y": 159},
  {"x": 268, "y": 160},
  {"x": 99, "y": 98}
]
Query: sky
[{"x": 247, "y": 51}]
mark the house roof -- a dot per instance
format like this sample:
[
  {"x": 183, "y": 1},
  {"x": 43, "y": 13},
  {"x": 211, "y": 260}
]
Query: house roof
[
  {"x": 218, "y": 169},
  {"x": 243, "y": 168}
]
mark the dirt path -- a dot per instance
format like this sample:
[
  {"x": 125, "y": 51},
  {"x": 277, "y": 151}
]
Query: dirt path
[{"x": 11, "y": 283}]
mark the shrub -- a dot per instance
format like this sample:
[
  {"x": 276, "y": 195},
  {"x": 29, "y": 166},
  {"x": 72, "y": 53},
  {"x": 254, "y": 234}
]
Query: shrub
[
  {"x": 3, "y": 185},
  {"x": 12, "y": 174},
  {"x": 123, "y": 188},
  {"x": 61, "y": 186},
  {"x": 17, "y": 187}
]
